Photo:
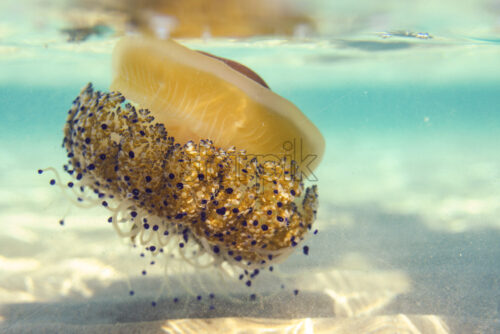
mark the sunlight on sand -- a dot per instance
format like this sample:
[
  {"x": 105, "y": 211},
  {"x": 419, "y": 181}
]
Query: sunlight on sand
[
  {"x": 355, "y": 292},
  {"x": 414, "y": 324}
]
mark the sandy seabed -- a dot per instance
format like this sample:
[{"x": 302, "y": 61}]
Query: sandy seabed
[{"x": 377, "y": 264}]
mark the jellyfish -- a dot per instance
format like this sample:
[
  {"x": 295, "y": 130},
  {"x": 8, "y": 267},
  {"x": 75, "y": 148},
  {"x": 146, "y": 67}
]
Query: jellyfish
[{"x": 178, "y": 153}]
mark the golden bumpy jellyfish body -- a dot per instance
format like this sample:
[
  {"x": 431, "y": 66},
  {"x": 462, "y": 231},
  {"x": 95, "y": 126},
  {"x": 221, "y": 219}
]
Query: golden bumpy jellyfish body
[{"x": 235, "y": 207}]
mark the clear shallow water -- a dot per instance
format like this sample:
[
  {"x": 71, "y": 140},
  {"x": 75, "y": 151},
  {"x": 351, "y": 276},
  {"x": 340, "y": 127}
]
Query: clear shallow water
[{"x": 409, "y": 190}]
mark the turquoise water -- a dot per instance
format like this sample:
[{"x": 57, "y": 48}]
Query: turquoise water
[
  {"x": 468, "y": 110},
  {"x": 409, "y": 186}
]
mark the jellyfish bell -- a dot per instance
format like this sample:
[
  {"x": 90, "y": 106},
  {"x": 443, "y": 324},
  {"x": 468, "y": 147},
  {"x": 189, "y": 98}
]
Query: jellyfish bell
[{"x": 203, "y": 96}]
